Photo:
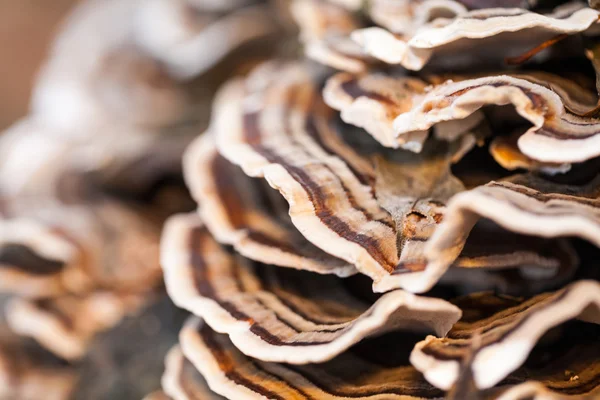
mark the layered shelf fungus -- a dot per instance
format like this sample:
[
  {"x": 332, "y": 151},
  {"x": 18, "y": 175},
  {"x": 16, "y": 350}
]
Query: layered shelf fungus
[
  {"x": 486, "y": 33},
  {"x": 501, "y": 333},
  {"x": 418, "y": 219},
  {"x": 278, "y": 314},
  {"x": 384, "y": 199},
  {"x": 249, "y": 215}
]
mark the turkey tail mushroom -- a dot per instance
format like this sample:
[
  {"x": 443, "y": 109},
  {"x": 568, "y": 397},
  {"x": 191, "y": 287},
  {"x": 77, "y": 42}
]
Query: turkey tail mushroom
[{"x": 279, "y": 314}]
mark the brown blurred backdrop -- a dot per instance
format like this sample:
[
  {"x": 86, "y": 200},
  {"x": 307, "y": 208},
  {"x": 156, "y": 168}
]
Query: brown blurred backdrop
[{"x": 26, "y": 29}]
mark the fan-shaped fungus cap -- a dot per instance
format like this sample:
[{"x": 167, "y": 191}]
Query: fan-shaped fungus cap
[
  {"x": 376, "y": 213},
  {"x": 526, "y": 204},
  {"x": 556, "y": 136},
  {"x": 190, "y": 37},
  {"x": 279, "y": 314},
  {"x": 127, "y": 59},
  {"x": 350, "y": 375},
  {"x": 325, "y": 30},
  {"x": 475, "y": 32},
  {"x": 405, "y": 17},
  {"x": 508, "y": 330},
  {"x": 249, "y": 215}
]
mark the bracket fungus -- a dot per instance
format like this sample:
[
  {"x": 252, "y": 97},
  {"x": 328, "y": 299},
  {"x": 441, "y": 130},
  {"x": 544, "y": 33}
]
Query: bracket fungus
[
  {"x": 461, "y": 176},
  {"x": 556, "y": 136},
  {"x": 211, "y": 352},
  {"x": 66, "y": 325},
  {"x": 250, "y": 217},
  {"x": 404, "y": 17},
  {"x": 278, "y": 314},
  {"x": 378, "y": 209},
  {"x": 525, "y": 204},
  {"x": 408, "y": 210},
  {"x": 509, "y": 30},
  {"x": 507, "y": 333}
]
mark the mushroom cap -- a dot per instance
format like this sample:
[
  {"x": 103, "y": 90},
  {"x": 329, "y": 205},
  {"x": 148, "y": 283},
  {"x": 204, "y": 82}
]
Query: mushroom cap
[
  {"x": 122, "y": 62},
  {"x": 373, "y": 101},
  {"x": 190, "y": 37},
  {"x": 305, "y": 178},
  {"x": 405, "y": 17},
  {"x": 526, "y": 204}
]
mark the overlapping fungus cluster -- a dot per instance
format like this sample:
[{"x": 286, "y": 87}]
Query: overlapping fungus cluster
[
  {"x": 447, "y": 152},
  {"x": 408, "y": 210}
]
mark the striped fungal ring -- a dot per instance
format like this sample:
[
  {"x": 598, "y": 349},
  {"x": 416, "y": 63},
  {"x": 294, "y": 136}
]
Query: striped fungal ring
[
  {"x": 236, "y": 376},
  {"x": 373, "y": 102},
  {"x": 279, "y": 314},
  {"x": 405, "y": 17},
  {"x": 506, "y": 330},
  {"x": 524, "y": 203},
  {"x": 67, "y": 325},
  {"x": 249, "y": 216},
  {"x": 474, "y": 33},
  {"x": 557, "y": 135},
  {"x": 398, "y": 113}
]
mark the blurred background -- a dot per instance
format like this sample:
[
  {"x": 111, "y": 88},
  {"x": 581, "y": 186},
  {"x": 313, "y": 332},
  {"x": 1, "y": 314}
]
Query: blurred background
[
  {"x": 125, "y": 361},
  {"x": 26, "y": 30},
  {"x": 117, "y": 367}
]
